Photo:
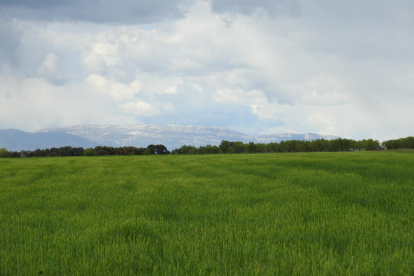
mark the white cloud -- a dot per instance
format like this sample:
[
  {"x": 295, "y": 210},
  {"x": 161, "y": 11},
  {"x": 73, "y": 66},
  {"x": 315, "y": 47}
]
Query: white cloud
[
  {"x": 108, "y": 51},
  {"x": 94, "y": 63},
  {"x": 140, "y": 108},
  {"x": 50, "y": 64},
  {"x": 237, "y": 96},
  {"x": 32, "y": 103},
  {"x": 160, "y": 85},
  {"x": 50, "y": 69},
  {"x": 119, "y": 91}
]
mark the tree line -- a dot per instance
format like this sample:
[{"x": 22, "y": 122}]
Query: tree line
[
  {"x": 320, "y": 145},
  {"x": 407, "y": 143},
  {"x": 283, "y": 146},
  {"x": 79, "y": 151}
]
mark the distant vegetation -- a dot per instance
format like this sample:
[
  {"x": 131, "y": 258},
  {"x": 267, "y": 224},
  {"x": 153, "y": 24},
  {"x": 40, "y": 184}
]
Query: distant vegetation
[
  {"x": 79, "y": 151},
  {"x": 337, "y": 213},
  {"x": 284, "y": 146},
  {"x": 407, "y": 143},
  {"x": 320, "y": 145}
]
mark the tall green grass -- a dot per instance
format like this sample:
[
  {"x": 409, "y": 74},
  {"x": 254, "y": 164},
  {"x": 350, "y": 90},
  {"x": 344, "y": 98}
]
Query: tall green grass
[{"x": 257, "y": 214}]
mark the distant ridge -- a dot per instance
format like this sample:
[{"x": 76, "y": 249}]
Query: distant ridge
[
  {"x": 172, "y": 136},
  {"x": 17, "y": 140}
]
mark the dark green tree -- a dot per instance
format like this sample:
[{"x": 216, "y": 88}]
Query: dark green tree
[{"x": 224, "y": 146}]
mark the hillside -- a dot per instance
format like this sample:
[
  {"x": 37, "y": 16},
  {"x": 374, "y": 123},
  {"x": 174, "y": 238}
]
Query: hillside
[{"x": 17, "y": 140}]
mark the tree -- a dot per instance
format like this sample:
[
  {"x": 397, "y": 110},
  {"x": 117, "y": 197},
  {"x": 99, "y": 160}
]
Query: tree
[
  {"x": 139, "y": 151},
  {"x": 307, "y": 146},
  {"x": 252, "y": 147},
  {"x": 54, "y": 152},
  {"x": 318, "y": 145},
  {"x": 270, "y": 147},
  {"x": 291, "y": 145},
  {"x": 103, "y": 150},
  {"x": 39, "y": 153},
  {"x": 89, "y": 152},
  {"x": 14, "y": 154},
  {"x": 371, "y": 144},
  {"x": 260, "y": 147},
  {"x": 184, "y": 150},
  {"x": 212, "y": 149},
  {"x": 408, "y": 142},
  {"x": 129, "y": 150},
  {"x": 151, "y": 149},
  {"x": 282, "y": 146},
  {"x": 237, "y": 147},
  {"x": 161, "y": 149},
  {"x": 224, "y": 146},
  {"x": 4, "y": 152}
]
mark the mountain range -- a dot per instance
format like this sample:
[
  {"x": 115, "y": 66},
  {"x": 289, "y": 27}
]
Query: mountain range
[
  {"x": 172, "y": 136},
  {"x": 17, "y": 140}
]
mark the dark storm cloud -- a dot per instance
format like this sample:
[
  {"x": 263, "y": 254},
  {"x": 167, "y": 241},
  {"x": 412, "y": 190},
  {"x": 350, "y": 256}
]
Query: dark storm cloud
[
  {"x": 8, "y": 43},
  {"x": 99, "y": 11},
  {"x": 361, "y": 30},
  {"x": 273, "y": 7}
]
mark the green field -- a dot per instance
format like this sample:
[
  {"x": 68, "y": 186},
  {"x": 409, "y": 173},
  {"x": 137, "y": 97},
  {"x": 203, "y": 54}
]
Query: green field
[{"x": 349, "y": 213}]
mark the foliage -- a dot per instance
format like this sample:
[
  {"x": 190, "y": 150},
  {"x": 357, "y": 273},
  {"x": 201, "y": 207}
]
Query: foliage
[
  {"x": 320, "y": 145},
  {"x": 284, "y": 146},
  {"x": 89, "y": 152},
  {"x": 407, "y": 143},
  {"x": 4, "y": 152},
  {"x": 158, "y": 149},
  {"x": 272, "y": 214},
  {"x": 79, "y": 151}
]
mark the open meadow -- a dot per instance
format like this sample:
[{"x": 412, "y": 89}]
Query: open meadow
[{"x": 347, "y": 213}]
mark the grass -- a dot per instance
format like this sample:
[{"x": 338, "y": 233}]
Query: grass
[{"x": 257, "y": 214}]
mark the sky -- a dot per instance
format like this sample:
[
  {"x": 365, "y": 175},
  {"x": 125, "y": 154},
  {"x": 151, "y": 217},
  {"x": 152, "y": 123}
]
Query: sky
[{"x": 342, "y": 68}]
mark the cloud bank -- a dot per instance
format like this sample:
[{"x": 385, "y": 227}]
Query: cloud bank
[{"x": 270, "y": 66}]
